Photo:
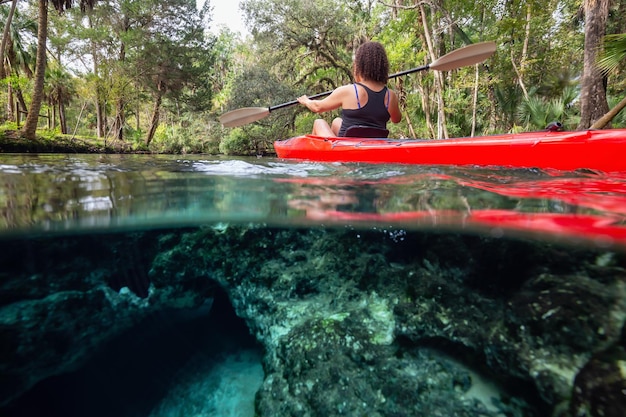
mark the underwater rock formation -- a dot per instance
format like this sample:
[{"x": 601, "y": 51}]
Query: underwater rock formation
[
  {"x": 352, "y": 322},
  {"x": 600, "y": 386},
  {"x": 62, "y": 298}
]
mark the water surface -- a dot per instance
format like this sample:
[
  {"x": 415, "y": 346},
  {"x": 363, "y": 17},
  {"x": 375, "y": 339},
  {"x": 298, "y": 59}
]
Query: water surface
[{"x": 78, "y": 193}]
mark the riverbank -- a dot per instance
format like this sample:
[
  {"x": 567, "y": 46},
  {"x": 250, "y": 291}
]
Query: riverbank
[{"x": 12, "y": 142}]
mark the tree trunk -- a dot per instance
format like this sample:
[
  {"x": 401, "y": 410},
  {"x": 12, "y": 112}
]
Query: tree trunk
[
  {"x": 426, "y": 106},
  {"x": 20, "y": 100},
  {"x": 154, "y": 122},
  {"x": 606, "y": 119},
  {"x": 410, "y": 124},
  {"x": 400, "y": 90},
  {"x": 10, "y": 103},
  {"x": 62, "y": 119},
  {"x": 475, "y": 100},
  {"x": 30, "y": 126},
  {"x": 120, "y": 118},
  {"x": 100, "y": 119},
  {"x": 5, "y": 39},
  {"x": 99, "y": 102},
  {"x": 137, "y": 116},
  {"x": 519, "y": 72},
  {"x": 442, "y": 130},
  {"x": 593, "y": 103}
]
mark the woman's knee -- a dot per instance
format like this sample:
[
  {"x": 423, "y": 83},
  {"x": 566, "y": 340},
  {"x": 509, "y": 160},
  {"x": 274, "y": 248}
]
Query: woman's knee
[
  {"x": 336, "y": 125},
  {"x": 321, "y": 128}
]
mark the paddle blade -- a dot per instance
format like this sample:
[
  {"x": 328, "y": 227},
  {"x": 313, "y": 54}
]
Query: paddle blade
[
  {"x": 243, "y": 116},
  {"x": 469, "y": 55}
]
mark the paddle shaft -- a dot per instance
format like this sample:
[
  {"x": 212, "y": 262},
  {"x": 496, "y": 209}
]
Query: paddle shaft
[{"x": 325, "y": 93}]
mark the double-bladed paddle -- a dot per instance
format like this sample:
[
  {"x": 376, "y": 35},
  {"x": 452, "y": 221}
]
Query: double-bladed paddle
[{"x": 468, "y": 55}]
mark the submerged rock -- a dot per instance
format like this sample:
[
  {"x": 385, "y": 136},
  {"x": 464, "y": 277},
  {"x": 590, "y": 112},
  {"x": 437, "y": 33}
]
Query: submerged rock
[
  {"x": 600, "y": 386},
  {"x": 68, "y": 296},
  {"x": 363, "y": 323}
]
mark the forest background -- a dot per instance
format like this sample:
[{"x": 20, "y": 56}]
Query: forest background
[{"x": 151, "y": 75}]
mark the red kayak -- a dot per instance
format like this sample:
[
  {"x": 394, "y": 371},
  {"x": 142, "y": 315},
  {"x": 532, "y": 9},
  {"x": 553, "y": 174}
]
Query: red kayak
[
  {"x": 603, "y": 150},
  {"x": 590, "y": 207},
  {"x": 602, "y": 231}
]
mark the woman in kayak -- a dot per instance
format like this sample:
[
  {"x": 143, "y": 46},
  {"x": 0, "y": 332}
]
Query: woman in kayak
[{"x": 367, "y": 102}]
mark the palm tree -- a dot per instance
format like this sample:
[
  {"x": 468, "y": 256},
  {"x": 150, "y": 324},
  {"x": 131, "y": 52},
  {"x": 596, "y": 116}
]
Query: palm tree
[
  {"x": 536, "y": 112},
  {"x": 59, "y": 93},
  {"x": 592, "y": 88},
  {"x": 5, "y": 38},
  {"x": 30, "y": 126},
  {"x": 17, "y": 61},
  {"x": 614, "y": 54}
]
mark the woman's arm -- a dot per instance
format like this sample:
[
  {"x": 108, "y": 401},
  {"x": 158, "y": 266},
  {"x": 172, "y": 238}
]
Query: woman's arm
[
  {"x": 332, "y": 102},
  {"x": 394, "y": 107}
]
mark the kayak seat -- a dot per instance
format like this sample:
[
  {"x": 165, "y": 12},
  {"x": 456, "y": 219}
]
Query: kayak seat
[
  {"x": 554, "y": 127},
  {"x": 366, "y": 132}
]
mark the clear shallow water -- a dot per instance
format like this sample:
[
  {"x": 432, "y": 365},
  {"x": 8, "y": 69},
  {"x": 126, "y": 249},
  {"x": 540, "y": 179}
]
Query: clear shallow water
[
  {"x": 105, "y": 259},
  {"x": 79, "y": 193}
]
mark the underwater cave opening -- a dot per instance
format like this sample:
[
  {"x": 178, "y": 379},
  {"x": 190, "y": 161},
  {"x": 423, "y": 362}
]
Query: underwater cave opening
[
  {"x": 169, "y": 362},
  {"x": 487, "y": 384}
]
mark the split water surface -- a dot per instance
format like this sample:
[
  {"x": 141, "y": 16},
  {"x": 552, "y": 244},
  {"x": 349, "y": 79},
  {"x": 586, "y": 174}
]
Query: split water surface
[{"x": 144, "y": 285}]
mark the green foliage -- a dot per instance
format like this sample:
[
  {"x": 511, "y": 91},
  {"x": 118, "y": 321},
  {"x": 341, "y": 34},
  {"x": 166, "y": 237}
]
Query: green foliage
[
  {"x": 134, "y": 48},
  {"x": 304, "y": 122},
  {"x": 8, "y": 126},
  {"x": 537, "y": 112},
  {"x": 236, "y": 143},
  {"x": 258, "y": 87},
  {"x": 614, "y": 53},
  {"x": 137, "y": 48},
  {"x": 179, "y": 140},
  {"x": 303, "y": 40},
  {"x": 620, "y": 120}
]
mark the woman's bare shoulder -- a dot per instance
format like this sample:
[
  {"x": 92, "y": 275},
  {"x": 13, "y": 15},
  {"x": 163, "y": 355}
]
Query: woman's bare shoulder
[{"x": 345, "y": 88}]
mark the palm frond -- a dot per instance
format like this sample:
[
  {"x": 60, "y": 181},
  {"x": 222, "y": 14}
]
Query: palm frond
[{"x": 614, "y": 52}]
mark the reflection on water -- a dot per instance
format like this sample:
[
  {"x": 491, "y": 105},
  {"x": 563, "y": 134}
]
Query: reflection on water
[{"x": 85, "y": 192}]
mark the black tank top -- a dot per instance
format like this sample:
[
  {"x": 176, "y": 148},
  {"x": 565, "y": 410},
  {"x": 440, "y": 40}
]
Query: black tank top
[{"x": 375, "y": 113}]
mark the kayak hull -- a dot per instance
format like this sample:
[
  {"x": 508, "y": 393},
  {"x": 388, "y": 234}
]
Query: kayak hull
[{"x": 603, "y": 150}]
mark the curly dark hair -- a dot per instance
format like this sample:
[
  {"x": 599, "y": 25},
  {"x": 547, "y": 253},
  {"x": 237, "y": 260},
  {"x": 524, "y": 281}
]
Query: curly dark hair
[{"x": 371, "y": 63}]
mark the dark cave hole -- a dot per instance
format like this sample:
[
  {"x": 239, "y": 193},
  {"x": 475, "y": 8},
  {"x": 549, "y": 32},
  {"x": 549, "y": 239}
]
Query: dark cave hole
[
  {"x": 514, "y": 387},
  {"x": 129, "y": 375}
]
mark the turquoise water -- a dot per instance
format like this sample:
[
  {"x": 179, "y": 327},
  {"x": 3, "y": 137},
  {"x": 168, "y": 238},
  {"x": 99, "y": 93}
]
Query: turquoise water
[
  {"x": 56, "y": 193},
  {"x": 144, "y": 285}
]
